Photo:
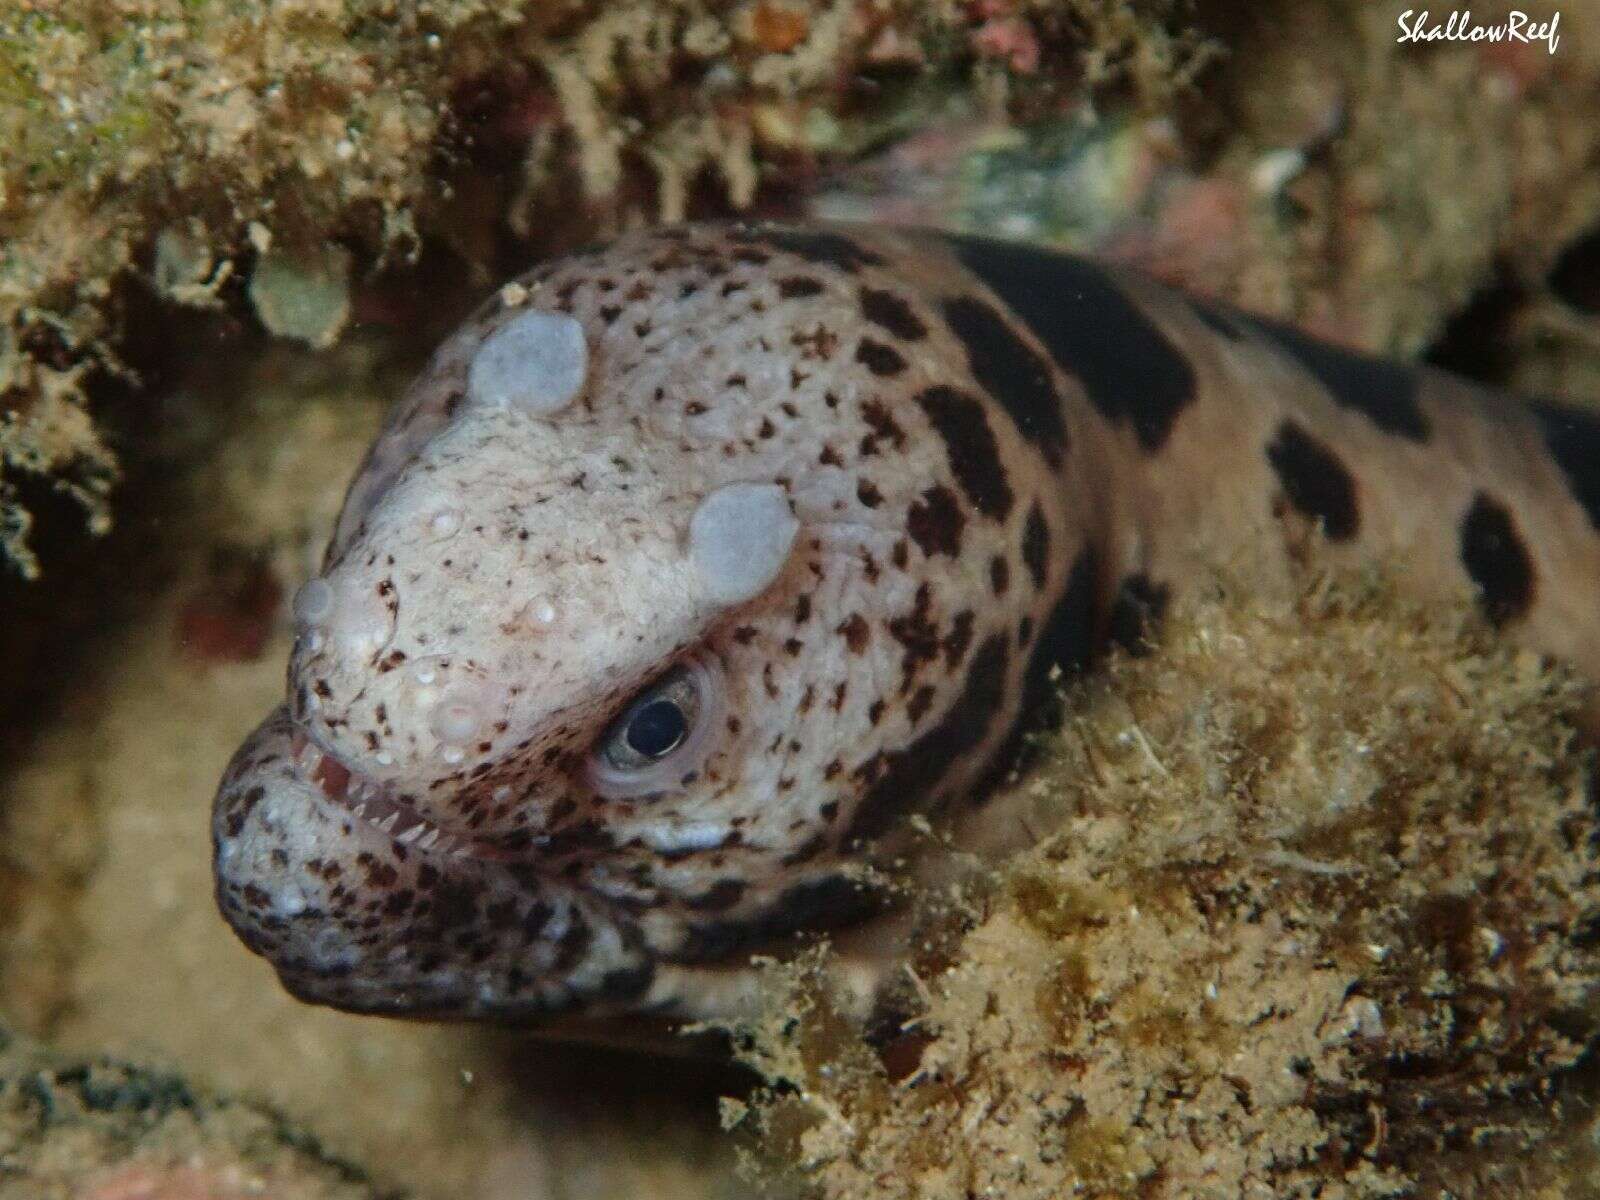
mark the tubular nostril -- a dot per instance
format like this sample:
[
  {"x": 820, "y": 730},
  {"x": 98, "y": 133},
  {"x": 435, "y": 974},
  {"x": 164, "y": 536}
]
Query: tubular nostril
[{"x": 313, "y": 603}]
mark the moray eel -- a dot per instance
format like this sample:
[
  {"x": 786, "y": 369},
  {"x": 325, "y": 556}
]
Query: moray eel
[{"x": 692, "y": 567}]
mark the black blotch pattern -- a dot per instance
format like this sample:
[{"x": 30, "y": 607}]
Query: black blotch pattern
[
  {"x": 999, "y": 575},
  {"x": 1132, "y": 373},
  {"x": 798, "y": 287},
  {"x": 935, "y": 522},
  {"x": 828, "y": 902},
  {"x": 454, "y": 906},
  {"x": 1067, "y": 638},
  {"x": 1573, "y": 439},
  {"x": 1009, "y": 370},
  {"x": 1496, "y": 560},
  {"x": 1065, "y": 641},
  {"x": 572, "y": 945},
  {"x": 970, "y": 446},
  {"x": 879, "y": 358},
  {"x": 892, "y": 313},
  {"x": 627, "y": 983},
  {"x": 912, "y": 774},
  {"x": 1575, "y": 279},
  {"x": 581, "y": 837},
  {"x": 724, "y": 893},
  {"x": 817, "y": 246},
  {"x": 1315, "y": 481},
  {"x": 1137, "y": 612},
  {"x": 1218, "y": 319},
  {"x": 1036, "y": 546},
  {"x": 1384, "y": 392}
]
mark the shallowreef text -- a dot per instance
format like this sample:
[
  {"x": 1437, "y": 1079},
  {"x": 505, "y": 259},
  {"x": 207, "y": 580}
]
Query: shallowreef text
[{"x": 1459, "y": 27}]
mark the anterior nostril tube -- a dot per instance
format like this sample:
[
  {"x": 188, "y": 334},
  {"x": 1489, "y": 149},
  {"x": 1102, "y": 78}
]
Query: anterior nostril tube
[{"x": 313, "y": 603}]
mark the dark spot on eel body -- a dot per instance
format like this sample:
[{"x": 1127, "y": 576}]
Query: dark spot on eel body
[
  {"x": 855, "y": 631},
  {"x": 935, "y": 522},
  {"x": 999, "y": 575},
  {"x": 453, "y": 905},
  {"x": 1012, "y": 372},
  {"x": 1067, "y": 638},
  {"x": 1132, "y": 373},
  {"x": 828, "y": 902},
  {"x": 970, "y": 446},
  {"x": 1384, "y": 392},
  {"x": 1573, "y": 439},
  {"x": 1066, "y": 642},
  {"x": 626, "y": 983},
  {"x": 797, "y": 287},
  {"x": 1219, "y": 319},
  {"x": 917, "y": 634},
  {"x": 912, "y": 774},
  {"x": 833, "y": 249},
  {"x": 239, "y": 811},
  {"x": 893, "y": 313},
  {"x": 879, "y": 358},
  {"x": 1136, "y": 613},
  {"x": 1496, "y": 560},
  {"x": 1315, "y": 481},
  {"x": 883, "y": 425},
  {"x": 723, "y": 894},
  {"x": 1036, "y": 546}
]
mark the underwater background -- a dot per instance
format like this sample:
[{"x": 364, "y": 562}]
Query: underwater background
[{"x": 231, "y": 230}]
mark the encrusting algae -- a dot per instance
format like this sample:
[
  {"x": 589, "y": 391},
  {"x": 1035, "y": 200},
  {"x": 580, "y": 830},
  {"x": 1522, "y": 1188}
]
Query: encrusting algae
[
  {"x": 1318, "y": 922},
  {"x": 200, "y": 153}
]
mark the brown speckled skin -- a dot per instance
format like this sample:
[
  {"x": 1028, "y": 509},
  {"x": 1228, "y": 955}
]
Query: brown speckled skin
[{"x": 1000, "y": 458}]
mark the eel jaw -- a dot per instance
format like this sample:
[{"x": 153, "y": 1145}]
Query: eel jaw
[
  {"x": 375, "y": 802},
  {"x": 351, "y": 916}
]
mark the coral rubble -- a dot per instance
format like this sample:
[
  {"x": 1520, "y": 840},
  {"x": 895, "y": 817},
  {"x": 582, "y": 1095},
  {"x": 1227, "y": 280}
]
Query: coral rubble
[
  {"x": 1318, "y": 922},
  {"x": 228, "y": 153}
]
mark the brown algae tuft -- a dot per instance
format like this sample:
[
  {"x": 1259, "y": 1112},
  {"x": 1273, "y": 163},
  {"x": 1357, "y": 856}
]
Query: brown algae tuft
[{"x": 1317, "y": 917}]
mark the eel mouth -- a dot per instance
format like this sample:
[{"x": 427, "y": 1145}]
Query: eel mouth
[{"x": 379, "y": 804}]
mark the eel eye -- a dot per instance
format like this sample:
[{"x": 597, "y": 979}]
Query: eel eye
[
  {"x": 655, "y": 724},
  {"x": 665, "y": 733}
]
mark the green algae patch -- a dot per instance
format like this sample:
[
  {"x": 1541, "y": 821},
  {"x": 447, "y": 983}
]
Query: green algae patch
[{"x": 1317, "y": 921}]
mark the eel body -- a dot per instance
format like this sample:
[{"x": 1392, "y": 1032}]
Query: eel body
[{"x": 693, "y": 566}]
